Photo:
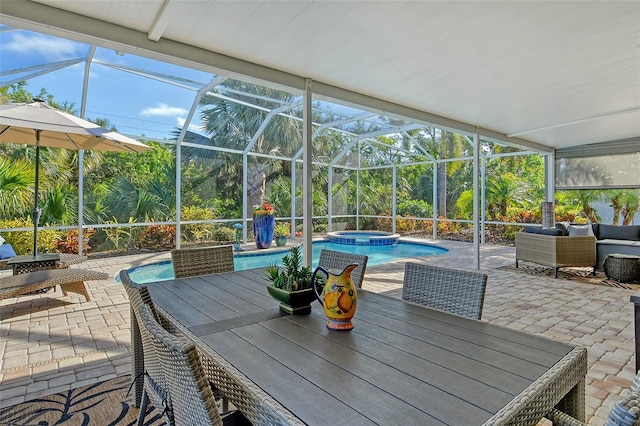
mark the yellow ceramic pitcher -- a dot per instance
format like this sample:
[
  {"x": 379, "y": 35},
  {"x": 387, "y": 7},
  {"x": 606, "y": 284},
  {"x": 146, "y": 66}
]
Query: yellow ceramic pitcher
[{"x": 338, "y": 297}]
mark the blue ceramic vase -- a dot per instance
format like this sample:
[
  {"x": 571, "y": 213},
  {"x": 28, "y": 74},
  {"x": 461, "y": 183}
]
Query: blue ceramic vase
[{"x": 263, "y": 225}]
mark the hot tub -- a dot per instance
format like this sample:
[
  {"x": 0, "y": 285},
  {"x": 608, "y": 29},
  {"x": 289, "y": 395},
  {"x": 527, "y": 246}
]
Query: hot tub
[{"x": 363, "y": 238}]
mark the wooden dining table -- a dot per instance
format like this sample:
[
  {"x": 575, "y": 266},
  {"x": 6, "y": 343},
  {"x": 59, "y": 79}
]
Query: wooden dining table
[{"x": 402, "y": 363}]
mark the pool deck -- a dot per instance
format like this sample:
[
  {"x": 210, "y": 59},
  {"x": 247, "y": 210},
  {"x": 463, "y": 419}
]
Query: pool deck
[{"x": 51, "y": 343}]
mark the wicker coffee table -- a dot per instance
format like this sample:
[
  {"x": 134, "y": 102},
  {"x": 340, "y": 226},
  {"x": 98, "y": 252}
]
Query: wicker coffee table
[{"x": 622, "y": 267}]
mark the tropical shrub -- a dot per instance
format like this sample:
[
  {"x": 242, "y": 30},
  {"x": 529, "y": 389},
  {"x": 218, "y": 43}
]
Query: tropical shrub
[
  {"x": 69, "y": 243},
  {"x": 197, "y": 232},
  {"x": 406, "y": 224},
  {"x": 224, "y": 233},
  {"x": 22, "y": 241},
  {"x": 121, "y": 237},
  {"x": 158, "y": 237},
  {"x": 416, "y": 208}
]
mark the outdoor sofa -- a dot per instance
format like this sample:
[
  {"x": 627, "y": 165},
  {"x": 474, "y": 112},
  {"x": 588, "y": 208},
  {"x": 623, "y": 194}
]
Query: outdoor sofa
[
  {"x": 611, "y": 239},
  {"x": 576, "y": 245}
]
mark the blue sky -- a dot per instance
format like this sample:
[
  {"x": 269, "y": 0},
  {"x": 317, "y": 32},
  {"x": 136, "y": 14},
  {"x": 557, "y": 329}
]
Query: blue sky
[{"x": 135, "y": 105}]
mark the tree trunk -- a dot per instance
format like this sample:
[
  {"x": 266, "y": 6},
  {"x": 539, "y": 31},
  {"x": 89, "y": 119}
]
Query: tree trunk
[
  {"x": 617, "y": 207},
  {"x": 629, "y": 212},
  {"x": 257, "y": 182}
]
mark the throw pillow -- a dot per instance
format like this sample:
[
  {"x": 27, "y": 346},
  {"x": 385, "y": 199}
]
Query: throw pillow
[
  {"x": 629, "y": 232},
  {"x": 6, "y": 251},
  {"x": 580, "y": 230},
  {"x": 564, "y": 227}
]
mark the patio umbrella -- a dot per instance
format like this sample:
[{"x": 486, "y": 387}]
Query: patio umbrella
[{"x": 36, "y": 123}]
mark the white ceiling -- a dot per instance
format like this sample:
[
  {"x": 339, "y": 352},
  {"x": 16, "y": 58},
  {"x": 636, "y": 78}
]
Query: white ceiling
[{"x": 555, "y": 73}]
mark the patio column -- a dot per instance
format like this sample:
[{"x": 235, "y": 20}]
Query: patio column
[
  {"x": 476, "y": 199},
  {"x": 395, "y": 199},
  {"x": 548, "y": 206},
  {"x": 435, "y": 200},
  {"x": 307, "y": 173}
]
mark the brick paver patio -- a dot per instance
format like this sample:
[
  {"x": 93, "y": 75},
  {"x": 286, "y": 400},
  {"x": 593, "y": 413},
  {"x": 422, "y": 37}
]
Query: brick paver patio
[{"x": 50, "y": 343}]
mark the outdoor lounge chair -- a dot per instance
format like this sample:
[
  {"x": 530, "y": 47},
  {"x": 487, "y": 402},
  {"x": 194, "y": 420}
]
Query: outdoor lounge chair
[
  {"x": 556, "y": 251},
  {"x": 458, "y": 292},
  {"x": 69, "y": 280},
  {"x": 192, "y": 262},
  {"x": 338, "y": 260},
  {"x": 66, "y": 259}
]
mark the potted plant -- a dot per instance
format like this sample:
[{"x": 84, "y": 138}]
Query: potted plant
[
  {"x": 291, "y": 284},
  {"x": 281, "y": 233},
  {"x": 263, "y": 224}
]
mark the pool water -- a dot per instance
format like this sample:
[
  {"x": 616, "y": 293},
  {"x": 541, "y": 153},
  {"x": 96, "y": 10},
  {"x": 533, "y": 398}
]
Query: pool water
[{"x": 377, "y": 254}]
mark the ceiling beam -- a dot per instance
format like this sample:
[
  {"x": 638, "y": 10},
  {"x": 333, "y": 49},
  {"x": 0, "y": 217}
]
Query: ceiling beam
[{"x": 160, "y": 23}]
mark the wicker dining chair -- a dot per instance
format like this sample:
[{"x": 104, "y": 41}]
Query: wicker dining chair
[
  {"x": 458, "y": 292},
  {"x": 189, "y": 398},
  {"x": 338, "y": 260},
  {"x": 139, "y": 296},
  {"x": 626, "y": 412},
  {"x": 147, "y": 373},
  {"x": 202, "y": 260}
]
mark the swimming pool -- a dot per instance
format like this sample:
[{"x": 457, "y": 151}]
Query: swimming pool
[{"x": 161, "y": 271}]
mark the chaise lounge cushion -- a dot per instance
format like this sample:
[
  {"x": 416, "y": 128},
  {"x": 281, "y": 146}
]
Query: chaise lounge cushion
[{"x": 6, "y": 251}]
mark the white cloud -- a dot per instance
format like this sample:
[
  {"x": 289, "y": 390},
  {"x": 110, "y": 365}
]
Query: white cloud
[
  {"x": 163, "y": 110},
  {"x": 193, "y": 127},
  {"x": 47, "y": 47}
]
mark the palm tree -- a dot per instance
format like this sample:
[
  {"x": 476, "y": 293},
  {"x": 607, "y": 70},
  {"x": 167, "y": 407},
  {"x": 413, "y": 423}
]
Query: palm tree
[
  {"x": 445, "y": 145},
  {"x": 625, "y": 203},
  {"x": 17, "y": 178},
  {"x": 234, "y": 124}
]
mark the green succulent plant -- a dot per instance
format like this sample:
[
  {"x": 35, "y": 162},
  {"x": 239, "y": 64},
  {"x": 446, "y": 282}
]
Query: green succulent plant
[{"x": 292, "y": 276}]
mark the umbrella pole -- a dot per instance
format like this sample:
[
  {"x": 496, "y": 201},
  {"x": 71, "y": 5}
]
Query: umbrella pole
[{"x": 36, "y": 210}]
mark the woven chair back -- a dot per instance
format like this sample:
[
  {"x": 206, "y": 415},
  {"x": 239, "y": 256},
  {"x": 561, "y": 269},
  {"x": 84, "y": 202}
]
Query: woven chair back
[
  {"x": 191, "y": 398},
  {"x": 192, "y": 262},
  {"x": 150, "y": 368},
  {"x": 338, "y": 260},
  {"x": 458, "y": 292}
]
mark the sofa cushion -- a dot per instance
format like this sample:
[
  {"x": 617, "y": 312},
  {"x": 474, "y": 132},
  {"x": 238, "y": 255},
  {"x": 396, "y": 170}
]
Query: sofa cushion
[
  {"x": 564, "y": 226},
  {"x": 618, "y": 243},
  {"x": 543, "y": 231},
  {"x": 612, "y": 232},
  {"x": 6, "y": 251},
  {"x": 580, "y": 230}
]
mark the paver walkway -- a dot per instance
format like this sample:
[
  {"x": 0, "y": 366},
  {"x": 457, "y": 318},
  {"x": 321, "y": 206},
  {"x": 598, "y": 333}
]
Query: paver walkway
[{"x": 50, "y": 343}]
